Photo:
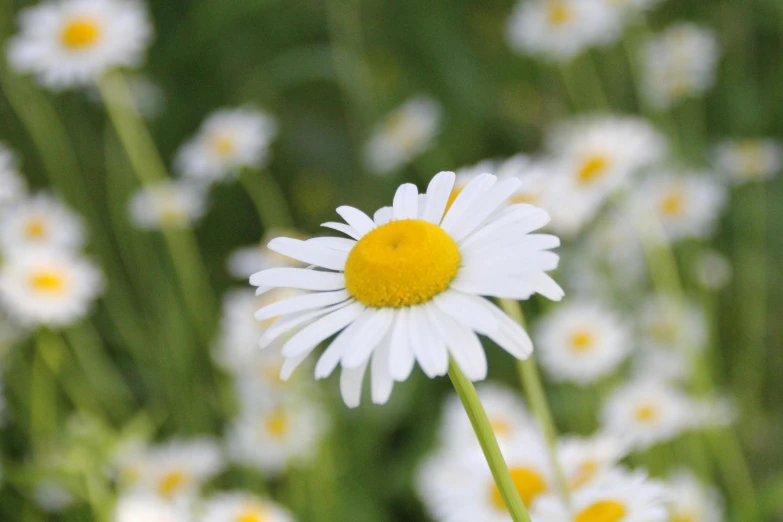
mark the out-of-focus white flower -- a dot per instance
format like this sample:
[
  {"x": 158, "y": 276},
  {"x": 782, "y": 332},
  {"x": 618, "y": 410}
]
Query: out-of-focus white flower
[
  {"x": 646, "y": 412},
  {"x": 558, "y": 30},
  {"x": 687, "y": 206},
  {"x": 74, "y": 42},
  {"x": 506, "y": 411},
  {"x": 246, "y": 261},
  {"x": 243, "y": 507},
  {"x": 409, "y": 285},
  {"x": 612, "y": 246},
  {"x": 749, "y": 160},
  {"x": 228, "y": 141},
  {"x": 167, "y": 204},
  {"x": 52, "y": 497},
  {"x": 679, "y": 63},
  {"x": 41, "y": 221},
  {"x": 13, "y": 186},
  {"x": 48, "y": 286},
  {"x": 587, "y": 460},
  {"x": 270, "y": 435},
  {"x": 618, "y": 497},
  {"x": 148, "y": 508},
  {"x": 691, "y": 501},
  {"x": 404, "y": 134},
  {"x": 582, "y": 342},
  {"x": 668, "y": 325},
  {"x": 713, "y": 270}
]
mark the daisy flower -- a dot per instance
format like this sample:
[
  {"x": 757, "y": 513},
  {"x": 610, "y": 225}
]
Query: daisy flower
[
  {"x": 69, "y": 43},
  {"x": 587, "y": 460},
  {"x": 40, "y": 221},
  {"x": 687, "y": 206},
  {"x": 713, "y": 270},
  {"x": 679, "y": 63},
  {"x": 243, "y": 507},
  {"x": 167, "y": 204},
  {"x": 558, "y": 30},
  {"x": 13, "y": 186},
  {"x": 408, "y": 285},
  {"x": 504, "y": 407},
  {"x": 646, "y": 412},
  {"x": 48, "y": 287},
  {"x": 229, "y": 140},
  {"x": 667, "y": 325},
  {"x": 749, "y": 160},
  {"x": 246, "y": 261},
  {"x": 582, "y": 342},
  {"x": 270, "y": 435},
  {"x": 404, "y": 134},
  {"x": 622, "y": 497},
  {"x": 692, "y": 501},
  {"x": 144, "y": 508}
]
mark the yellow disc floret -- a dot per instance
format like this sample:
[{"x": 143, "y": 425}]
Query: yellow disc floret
[
  {"x": 80, "y": 33},
  {"x": 592, "y": 169},
  {"x": 402, "y": 263},
  {"x": 529, "y": 484},
  {"x": 47, "y": 281},
  {"x": 603, "y": 511}
]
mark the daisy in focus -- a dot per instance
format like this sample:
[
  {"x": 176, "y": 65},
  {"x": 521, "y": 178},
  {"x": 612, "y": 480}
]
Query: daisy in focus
[
  {"x": 41, "y": 221},
  {"x": 168, "y": 204},
  {"x": 582, "y": 342},
  {"x": 559, "y": 30},
  {"x": 749, "y": 160},
  {"x": 48, "y": 287},
  {"x": 407, "y": 286},
  {"x": 243, "y": 507},
  {"x": 229, "y": 140},
  {"x": 70, "y": 43},
  {"x": 404, "y": 134},
  {"x": 13, "y": 186}
]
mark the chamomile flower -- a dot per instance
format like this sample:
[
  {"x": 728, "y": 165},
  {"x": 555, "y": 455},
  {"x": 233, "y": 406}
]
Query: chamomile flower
[
  {"x": 71, "y": 43},
  {"x": 558, "y": 30},
  {"x": 749, "y": 160},
  {"x": 582, "y": 342},
  {"x": 13, "y": 186},
  {"x": 40, "y": 221},
  {"x": 645, "y": 413},
  {"x": 270, "y": 435},
  {"x": 146, "y": 508},
  {"x": 506, "y": 411},
  {"x": 246, "y": 261},
  {"x": 668, "y": 325},
  {"x": 404, "y": 134},
  {"x": 408, "y": 285},
  {"x": 692, "y": 501},
  {"x": 679, "y": 63},
  {"x": 687, "y": 206},
  {"x": 243, "y": 507},
  {"x": 229, "y": 140},
  {"x": 587, "y": 460},
  {"x": 621, "y": 497},
  {"x": 167, "y": 204},
  {"x": 48, "y": 287}
]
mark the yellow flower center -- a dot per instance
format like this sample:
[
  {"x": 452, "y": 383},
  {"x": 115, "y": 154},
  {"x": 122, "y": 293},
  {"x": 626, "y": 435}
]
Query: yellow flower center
[
  {"x": 500, "y": 427},
  {"x": 582, "y": 341},
  {"x": 529, "y": 483},
  {"x": 684, "y": 517},
  {"x": 453, "y": 197},
  {"x": 647, "y": 413},
  {"x": 672, "y": 204},
  {"x": 80, "y": 33},
  {"x": 529, "y": 198},
  {"x": 222, "y": 145},
  {"x": 171, "y": 483},
  {"x": 402, "y": 263},
  {"x": 592, "y": 169},
  {"x": 585, "y": 473},
  {"x": 558, "y": 13},
  {"x": 603, "y": 511},
  {"x": 664, "y": 331},
  {"x": 35, "y": 229},
  {"x": 47, "y": 281},
  {"x": 251, "y": 515},
  {"x": 276, "y": 424}
]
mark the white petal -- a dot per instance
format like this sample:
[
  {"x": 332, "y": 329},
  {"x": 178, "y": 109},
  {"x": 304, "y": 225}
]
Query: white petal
[
  {"x": 348, "y": 230},
  {"x": 300, "y": 278},
  {"x": 285, "y": 325},
  {"x": 383, "y": 215},
  {"x": 309, "y": 253},
  {"x": 367, "y": 338},
  {"x": 351, "y": 380},
  {"x": 291, "y": 364},
  {"x": 401, "y": 358},
  {"x": 301, "y": 303},
  {"x": 462, "y": 343},
  {"x": 429, "y": 349},
  {"x": 380, "y": 379},
  {"x": 465, "y": 310},
  {"x": 511, "y": 336},
  {"x": 477, "y": 186},
  {"x": 360, "y": 221},
  {"x": 406, "y": 202},
  {"x": 336, "y": 243},
  {"x": 522, "y": 218},
  {"x": 312, "y": 335},
  {"x": 489, "y": 284},
  {"x": 438, "y": 193},
  {"x": 546, "y": 286},
  {"x": 334, "y": 352},
  {"x": 483, "y": 207}
]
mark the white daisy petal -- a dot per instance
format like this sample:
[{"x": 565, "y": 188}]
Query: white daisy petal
[
  {"x": 324, "y": 327},
  {"x": 334, "y": 352},
  {"x": 478, "y": 186},
  {"x": 381, "y": 379},
  {"x": 463, "y": 309},
  {"x": 348, "y": 230},
  {"x": 291, "y": 364},
  {"x": 383, "y": 215},
  {"x": 511, "y": 336},
  {"x": 429, "y": 349},
  {"x": 301, "y": 303},
  {"x": 368, "y": 337},
  {"x": 483, "y": 207},
  {"x": 438, "y": 193},
  {"x": 462, "y": 343},
  {"x": 522, "y": 217},
  {"x": 546, "y": 286},
  {"x": 351, "y": 380},
  {"x": 300, "y": 278},
  {"x": 308, "y": 252},
  {"x": 406, "y": 202},
  {"x": 401, "y": 358},
  {"x": 360, "y": 221},
  {"x": 285, "y": 325},
  {"x": 336, "y": 243}
]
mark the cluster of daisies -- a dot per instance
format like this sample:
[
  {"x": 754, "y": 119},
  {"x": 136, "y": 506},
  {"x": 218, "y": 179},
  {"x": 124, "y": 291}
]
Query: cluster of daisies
[{"x": 454, "y": 483}]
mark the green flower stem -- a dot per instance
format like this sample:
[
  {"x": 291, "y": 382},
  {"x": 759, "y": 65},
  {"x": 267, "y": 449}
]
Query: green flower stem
[
  {"x": 486, "y": 437},
  {"x": 268, "y": 199},
  {"x": 536, "y": 398}
]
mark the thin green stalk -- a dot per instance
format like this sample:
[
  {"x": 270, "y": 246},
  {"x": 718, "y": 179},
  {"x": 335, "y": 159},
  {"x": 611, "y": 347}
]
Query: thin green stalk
[
  {"x": 268, "y": 199},
  {"x": 489, "y": 445},
  {"x": 736, "y": 475},
  {"x": 43, "y": 402},
  {"x": 593, "y": 75},
  {"x": 536, "y": 398}
]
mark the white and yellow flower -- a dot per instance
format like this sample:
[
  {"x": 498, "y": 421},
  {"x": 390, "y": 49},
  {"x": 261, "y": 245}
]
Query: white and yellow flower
[
  {"x": 407, "y": 285},
  {"x": 587, "y": 460},
  {"x": 246, "y": 261},
  {"x": 48, "y": 287},
  {"x": 404, "y": 134},
  {"x": 41, "y": 221},
  {"x": 668, "y": 325},
  {"x": 749, "y": 159},
  {"x": 692, "y": 501},
  {"x": 13, "y": 186},
  {"x": 582, "y": 342},
  {"x": 71, "y": 43},
  {"x": 146, "y": 508},
  {"x": 229, "y": 140},
  {"x": 167, "y": 204},
  {"x": 243, "y": 507}
]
